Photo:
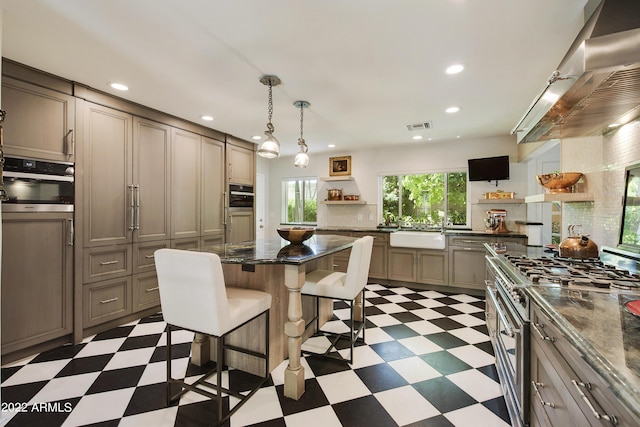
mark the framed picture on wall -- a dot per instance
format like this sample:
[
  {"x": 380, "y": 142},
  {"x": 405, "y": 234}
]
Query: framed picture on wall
[{"x": 340, "y": 166}]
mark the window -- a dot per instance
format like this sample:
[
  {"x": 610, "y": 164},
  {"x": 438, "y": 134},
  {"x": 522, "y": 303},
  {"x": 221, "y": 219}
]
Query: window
[
  {"x": 300, "y": 199},
  {"x": 425, "y": 198}
]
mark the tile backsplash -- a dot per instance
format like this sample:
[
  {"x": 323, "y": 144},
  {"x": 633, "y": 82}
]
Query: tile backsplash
[
  {"x": 353, "y": 216},
  {"x": 603, "y": 161}
]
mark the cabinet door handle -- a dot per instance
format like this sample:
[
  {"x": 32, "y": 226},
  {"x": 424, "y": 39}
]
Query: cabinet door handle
[
  {"x": 132, "y": 207},
  {"x": 137, "y": 188},
  {"x": 540, "y": 399},
  {"x": 224, "y": 208},
  {"x": 71, "y": 232},
  {"x": 70, "y": 143},
  {"x": 149, "y": 256},
  {"x": 109, "y": 262},
  {"x": 543, "y": 337},
  {"x": 106, "y": 301},
  {"x": 584, "y": 397},
  {"x": 152, "y": 289}
]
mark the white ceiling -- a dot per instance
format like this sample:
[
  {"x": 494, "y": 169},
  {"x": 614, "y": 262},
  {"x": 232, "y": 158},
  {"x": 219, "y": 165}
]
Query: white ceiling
[{"x": 368, "y": 67}]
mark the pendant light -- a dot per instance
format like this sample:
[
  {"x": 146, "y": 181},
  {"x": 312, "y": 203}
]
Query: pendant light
[
  {"x": 302, "y": 158},
  {"x": 270, "y": 147}
]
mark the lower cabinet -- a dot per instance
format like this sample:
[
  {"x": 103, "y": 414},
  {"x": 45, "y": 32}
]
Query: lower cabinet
[
  {"x": 37, "y": 279},
  {"x": 106, "y": 300},
  {"x": 418, "y": 266},
  {"x": 379, "y": 253},
  {"x": 241, "y": 226},
  {"x": 565, "y": 390}
]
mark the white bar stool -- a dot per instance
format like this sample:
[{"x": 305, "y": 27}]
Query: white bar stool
[
  {"x": 342, "y": 286},
  {"x": 194, "y": 297}
]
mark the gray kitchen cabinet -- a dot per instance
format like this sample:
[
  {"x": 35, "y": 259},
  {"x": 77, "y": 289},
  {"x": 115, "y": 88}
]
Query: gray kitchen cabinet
[
  {"x": 241, "y": 226},
  {"x": 418, "y": 265},
  {"x": 151, "y": 180},
  {"x": 467, "y": 263},
  {"x": 185, "y": 184},
  {"x": 213, "y": 187},
  {"x": 241, "y": 162},
  {"x": 108, "y": 191},
  {"x": 565, "y": 390},
  {"x": 402, "y": 264},
  {"x": 106, "y": 300},
  {"x": 40, "y": 122},
  {"x": 432, "y": 267},
  {"x": 37, "y": 279}
]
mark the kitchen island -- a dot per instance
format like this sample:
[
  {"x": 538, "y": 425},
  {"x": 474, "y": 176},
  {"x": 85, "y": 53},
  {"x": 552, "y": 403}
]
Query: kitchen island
[{"x": 279, "y": 268}]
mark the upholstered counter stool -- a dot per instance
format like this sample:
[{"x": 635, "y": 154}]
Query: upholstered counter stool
[
  {"x": 194, "y": 297},
  {"x": 342, "y": 286}
]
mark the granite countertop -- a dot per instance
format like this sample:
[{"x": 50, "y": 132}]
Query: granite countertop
[
  {"x": 448, "y": 231},
  {"x": 604, "y": 333},
  {"x": 278, "y": 251}
]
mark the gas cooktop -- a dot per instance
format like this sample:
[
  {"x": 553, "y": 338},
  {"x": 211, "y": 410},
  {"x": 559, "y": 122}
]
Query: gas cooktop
[{"x": 574, "y": 272}]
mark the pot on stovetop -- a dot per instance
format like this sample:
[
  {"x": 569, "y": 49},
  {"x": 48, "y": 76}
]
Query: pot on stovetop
[{"x": 577, "y": 245}]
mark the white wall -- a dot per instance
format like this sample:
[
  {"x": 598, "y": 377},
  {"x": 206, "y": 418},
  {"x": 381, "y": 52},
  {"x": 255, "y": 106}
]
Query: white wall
[{"x": 368, "y": 165}]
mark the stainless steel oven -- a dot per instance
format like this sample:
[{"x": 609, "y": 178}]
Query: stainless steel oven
[
  {"x": 241, "y": 196},
  {"x": 508, "y": 323},
  {"x": 34, "y": 185}
]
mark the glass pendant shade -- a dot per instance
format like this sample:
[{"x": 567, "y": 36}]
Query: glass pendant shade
[
  {"x": 270, "y": 147},
  {"x": 301, "y": 160}
]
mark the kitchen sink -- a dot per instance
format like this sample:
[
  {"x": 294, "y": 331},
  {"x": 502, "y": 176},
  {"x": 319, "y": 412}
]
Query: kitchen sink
[{"x": 418, "y": 239}]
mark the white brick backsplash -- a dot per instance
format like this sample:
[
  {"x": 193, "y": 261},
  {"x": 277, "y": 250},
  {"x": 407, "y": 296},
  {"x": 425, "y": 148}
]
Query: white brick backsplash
[{"x": 602, "y": 160}]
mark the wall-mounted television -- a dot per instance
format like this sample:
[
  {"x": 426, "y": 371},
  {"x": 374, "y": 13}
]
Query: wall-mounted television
[{"x": 489, "y": 169}]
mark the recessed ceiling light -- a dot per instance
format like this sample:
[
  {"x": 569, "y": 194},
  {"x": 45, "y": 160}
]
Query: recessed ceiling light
[
  {"x": 256, "y": 137},
  {"x": 207, "y": 118},
  {"x": 455, "y": 69},
  {"x": 458, "y": 136},
  {"x": 416, "y": 137},
  {"x": 119, "y": 86},
  {"x": 452, "y": 109},
  {"x": 331, "y": 145}
]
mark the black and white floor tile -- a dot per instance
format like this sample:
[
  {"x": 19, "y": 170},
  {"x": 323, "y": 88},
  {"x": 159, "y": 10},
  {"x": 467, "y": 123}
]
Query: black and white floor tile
[{"x": 427, "y": 362}]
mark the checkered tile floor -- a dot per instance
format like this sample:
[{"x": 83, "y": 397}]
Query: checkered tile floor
[{"x": 427, "y": 362}]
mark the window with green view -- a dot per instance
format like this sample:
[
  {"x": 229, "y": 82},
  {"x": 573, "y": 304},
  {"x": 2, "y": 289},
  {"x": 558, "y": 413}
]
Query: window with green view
[
  {"x": 429, "y": 198},
  {"x": 300, "y": 198}
]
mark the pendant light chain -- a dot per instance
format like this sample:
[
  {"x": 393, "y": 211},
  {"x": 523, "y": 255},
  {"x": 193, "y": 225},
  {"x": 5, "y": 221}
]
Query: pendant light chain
[
  {"x": 270, "y": 107},
  {"x": 301, "y": 122}
]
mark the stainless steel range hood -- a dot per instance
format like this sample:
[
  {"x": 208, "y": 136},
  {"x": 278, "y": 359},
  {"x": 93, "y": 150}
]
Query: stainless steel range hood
[{"x": 596, "y": 84}]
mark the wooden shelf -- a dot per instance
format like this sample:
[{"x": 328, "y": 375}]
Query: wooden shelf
[
  {"x": 500, "y": 201},
  {"x": 560, "y": 197},
  {"x": 337, "y": 178},
  {"x": 343, "y": 202}
]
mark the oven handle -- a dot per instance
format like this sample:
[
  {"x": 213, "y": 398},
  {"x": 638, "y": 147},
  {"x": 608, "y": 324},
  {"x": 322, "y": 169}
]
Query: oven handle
[
  {"x": 38, "y": 176},
  {"x": 501, "y": 315}
]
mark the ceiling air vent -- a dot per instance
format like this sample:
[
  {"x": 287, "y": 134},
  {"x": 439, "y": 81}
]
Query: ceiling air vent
[{"x": 419, "y": 126}]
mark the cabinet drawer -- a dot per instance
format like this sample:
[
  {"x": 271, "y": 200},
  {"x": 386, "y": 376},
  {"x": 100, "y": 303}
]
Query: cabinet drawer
[
  {"x": 469, "y": 241},
  {"x": 107, "y": 262},
  {"x": 186, "y": 244},
  {"x": 143, "y": 255},
  {"x": 107, "y": 300},
  {"x": 146, "y": 293},
  {"x": 377, "y": 237}
]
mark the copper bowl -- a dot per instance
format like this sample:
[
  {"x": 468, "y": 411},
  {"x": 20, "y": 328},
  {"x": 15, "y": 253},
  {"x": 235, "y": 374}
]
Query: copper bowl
[
  {"x": 351, "y": 197},
  {"x": 296, "y": 235},
  {"x": 559, "y": 182}
]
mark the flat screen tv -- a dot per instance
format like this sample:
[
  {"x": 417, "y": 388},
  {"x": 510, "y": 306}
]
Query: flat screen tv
[{"x": 489, "y": 169}]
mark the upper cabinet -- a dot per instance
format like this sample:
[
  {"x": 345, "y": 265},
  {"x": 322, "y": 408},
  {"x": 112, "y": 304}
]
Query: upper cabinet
[
  {"x": 241, "y": 162},
  {"x": 39, "y": 122}
]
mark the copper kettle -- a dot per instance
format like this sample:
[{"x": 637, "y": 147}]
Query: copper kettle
[{"x": 577, "y": 245}]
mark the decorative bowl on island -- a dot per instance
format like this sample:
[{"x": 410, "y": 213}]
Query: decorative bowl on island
[
  {"x": 559, "y": 182},
  {"x": 296, "y": 235}
]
